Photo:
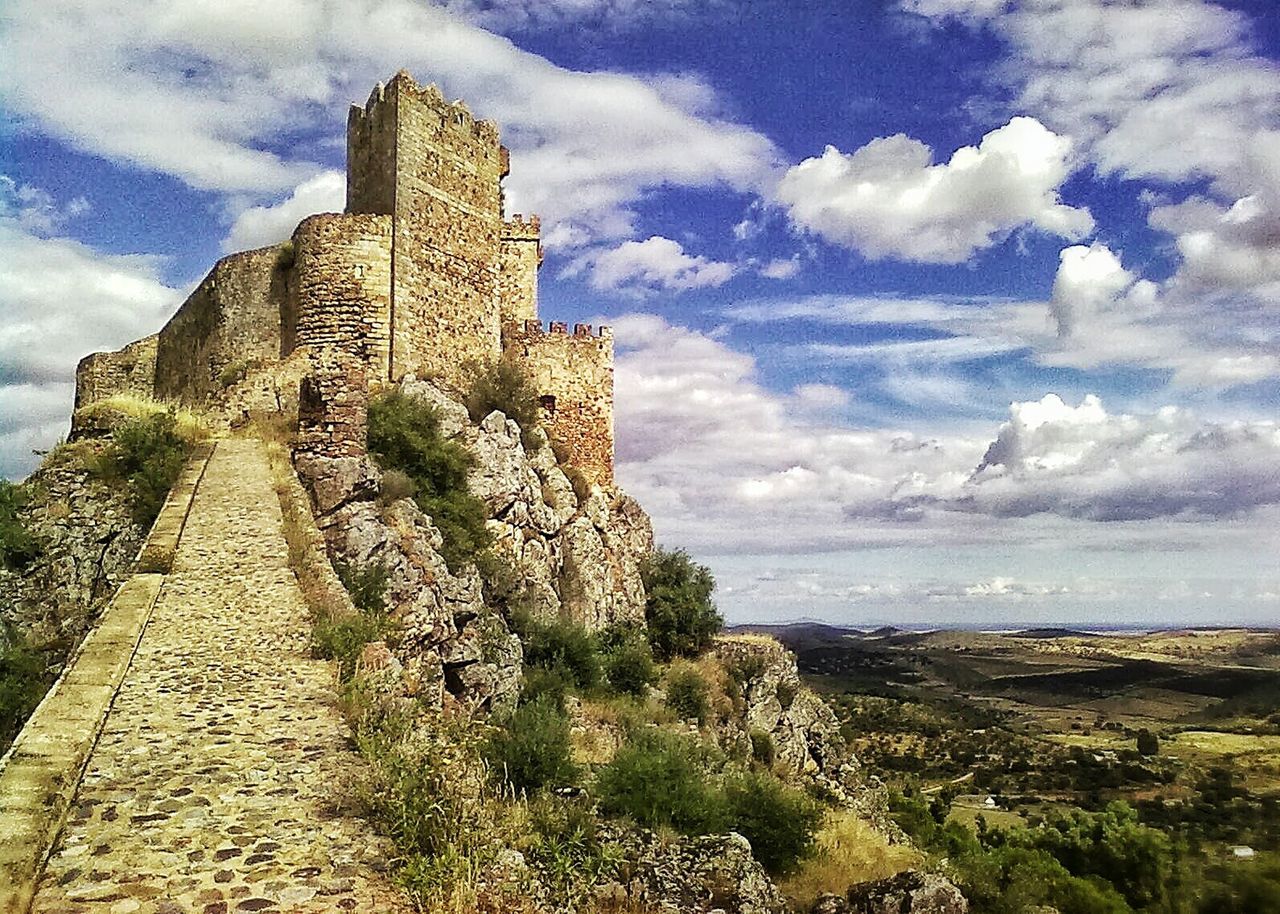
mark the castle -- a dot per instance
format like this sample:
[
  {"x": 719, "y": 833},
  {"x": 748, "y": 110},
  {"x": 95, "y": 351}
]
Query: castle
[{"x": 421, "y": 275}]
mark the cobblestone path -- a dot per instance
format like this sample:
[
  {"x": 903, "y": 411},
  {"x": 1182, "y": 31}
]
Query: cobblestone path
[{"x": 215, "y": 786}]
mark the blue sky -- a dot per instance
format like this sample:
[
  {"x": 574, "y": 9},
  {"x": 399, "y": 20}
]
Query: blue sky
[{"x": 927, "y": 310}]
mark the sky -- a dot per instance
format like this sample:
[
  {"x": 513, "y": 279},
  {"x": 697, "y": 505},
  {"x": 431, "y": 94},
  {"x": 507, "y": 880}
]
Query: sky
[{"x": 960, "y": 312}]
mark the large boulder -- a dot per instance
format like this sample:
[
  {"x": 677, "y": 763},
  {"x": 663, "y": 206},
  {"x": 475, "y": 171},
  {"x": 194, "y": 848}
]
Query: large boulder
[
  {"x": 804, "y": 730},
  {"x": 911, "y": 892},
  {"x": 713, "y": 873}
]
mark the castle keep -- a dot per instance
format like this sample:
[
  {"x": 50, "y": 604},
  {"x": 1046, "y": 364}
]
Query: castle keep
[{"x": 421, "y": 275}]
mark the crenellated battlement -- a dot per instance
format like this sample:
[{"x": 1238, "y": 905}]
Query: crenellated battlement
[
  {"x": 453, "y": 115},
  {"x": 520, "y": 228},
  {"x": 534, "y": 328}
]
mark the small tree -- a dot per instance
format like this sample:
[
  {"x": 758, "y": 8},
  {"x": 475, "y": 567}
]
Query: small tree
[
  {"x": 681, "y": 617},
  {"x": 1148, "y": 743},
  {"x": 779, "y": 821},
  {"x": 507, "y": 387},
  {"x": 530, "y": 750}
]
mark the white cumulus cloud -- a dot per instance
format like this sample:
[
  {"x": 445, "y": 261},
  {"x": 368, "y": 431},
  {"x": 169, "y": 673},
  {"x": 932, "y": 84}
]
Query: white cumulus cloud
[
  {"x": 889, "y": 199},
  {"x": 62, "y": 300},
  {"x": 259, "y": 226},
  {"x": 654, "y": 264}
]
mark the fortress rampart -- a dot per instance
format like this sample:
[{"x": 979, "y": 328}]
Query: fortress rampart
[
  {"x": 232, "y": 319},
  {"x": 130, "y": 370},
  {"x": 422, "y": 275},
  {"x": 574, "y": 375}
]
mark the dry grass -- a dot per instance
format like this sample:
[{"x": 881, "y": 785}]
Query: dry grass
[
  {"x": 749, "y": 638},
  {"x": 848, "y": 851},
  {"x": 192, "y": 426}
]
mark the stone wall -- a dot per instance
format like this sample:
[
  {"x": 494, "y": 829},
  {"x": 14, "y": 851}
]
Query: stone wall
[
  {"x": 520, "y": 255},
  {"x": 574, "y": 376},
  {"x": 333, "y": 406},
  {"x": 342, "y": 265},
  {"x": 131, "y": 371},
  {"x": 371, "y": 154},
  {"x": 232, "y": 320}
]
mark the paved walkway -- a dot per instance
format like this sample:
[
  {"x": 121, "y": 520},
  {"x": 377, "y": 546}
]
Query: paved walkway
[{"x": 216, "y": 785}]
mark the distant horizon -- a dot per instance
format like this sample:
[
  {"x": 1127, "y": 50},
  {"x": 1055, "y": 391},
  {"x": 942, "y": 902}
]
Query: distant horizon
[{"x": 1082, "y": 628}]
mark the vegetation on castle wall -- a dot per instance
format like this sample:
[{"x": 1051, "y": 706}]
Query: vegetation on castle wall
[
  {"x": 150, "y": 444},
  {"x": 507, "y": 386},
  {"x": 682, "y": 619},
  {"x": 404, "y": 435},
  {"x": 18, "y": 548}
]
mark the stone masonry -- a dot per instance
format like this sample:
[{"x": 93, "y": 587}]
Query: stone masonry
[{"x": 422, "y": 275}]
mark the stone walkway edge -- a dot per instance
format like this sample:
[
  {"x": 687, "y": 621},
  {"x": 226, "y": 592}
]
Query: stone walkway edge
[{"x": 41, "y": 771}]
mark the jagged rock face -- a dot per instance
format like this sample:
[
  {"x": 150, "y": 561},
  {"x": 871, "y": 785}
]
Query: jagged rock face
[
  {"x": 911, "y": 892},
  {"x": 805, "y": 732},
  {"x": 579, "y": 560},
  {"x": 693, "y": 876},
  {"x": 448, "y": 642},
  {"x": 88, "y": 544}
]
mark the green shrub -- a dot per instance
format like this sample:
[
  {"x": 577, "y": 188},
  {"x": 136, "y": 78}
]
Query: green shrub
[
  {"x": 343, "y": 637},
  {"x": 779, "y": 821},
  {"x": 396, "y": 485},
  {"x": 661, "y": 779},
  {"x": 747, "y": 668},
  {"x": 18, "y": 547},
  {"x": 149, "y": 454},
  {"x": 549, "y": 683},
  {"x": 687, "y": 694},
  {"x": 367, "y": 586},
  {"x": 629, "y": 668},
  {"x": 507, "y": 387},
  {"x": 564, "y": 648},
  {"x": 404, "y": 435},
  {"x": 237, "y": 371},
  {"x": 23, "y": 682},
  {"x": 786, "y": 693},
  {"x": 681, "y": 617},
  {"x": 565, "y": 850},
  {"x": 762, "y": 748},
  {"x": 530, "y": 749}
]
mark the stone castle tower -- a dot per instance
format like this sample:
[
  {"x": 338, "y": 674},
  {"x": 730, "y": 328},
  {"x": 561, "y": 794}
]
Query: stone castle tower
[{"x": 421, "y": 275}]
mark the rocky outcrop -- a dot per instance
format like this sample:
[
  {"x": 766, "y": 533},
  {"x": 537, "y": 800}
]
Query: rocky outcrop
[
  {"x": 911, "y": 892},
  {"x": 576, "y": 551},
  {"x": 802, "y": 729},
  {"x": 692, "y": 876},
  {"x": 568, "y": 555},
  {"x": 88, "y": 542}
]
